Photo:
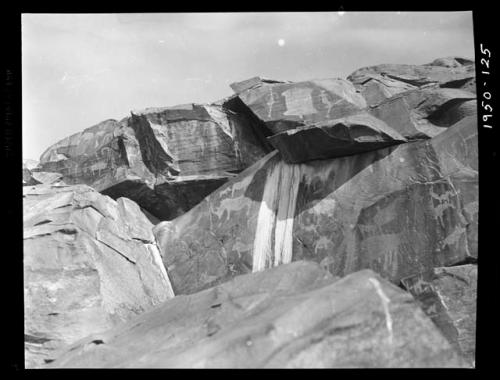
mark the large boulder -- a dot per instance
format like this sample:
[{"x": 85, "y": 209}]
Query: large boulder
[
  {"x": 426, "y": 112},
  {"x": 399, "y": 210},
  {"x": 448, "y": 296},
  {"x": 166, "y": 159},
  {"x": 284, "y": 105},
  {"x": 293, "y": 316},
  {"x": 451, "y": 72},
  {"x": 90, "y": 263},
  {"x": 335, "y": 138}
]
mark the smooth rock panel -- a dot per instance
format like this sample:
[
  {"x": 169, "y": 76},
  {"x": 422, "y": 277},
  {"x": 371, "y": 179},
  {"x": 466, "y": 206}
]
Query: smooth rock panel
[{"x": 293, "y": 316}]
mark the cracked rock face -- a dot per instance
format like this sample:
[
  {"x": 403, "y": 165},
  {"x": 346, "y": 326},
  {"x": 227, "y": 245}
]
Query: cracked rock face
[
  {"x": 89, "y": 263},
  {"x": 399, "y": 210},
  {"x": 335, "y": 138},
  {"x": 448, "y": 296},
  {"x": 165, "y": 159},
  {"x": 284, "y": 105},
  {"x": 293, "y": 316}
]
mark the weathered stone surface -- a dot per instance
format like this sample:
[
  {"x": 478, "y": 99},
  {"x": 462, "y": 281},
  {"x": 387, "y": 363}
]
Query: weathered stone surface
[
  {"x": 423, "y": 113},
  {"x": 335, "y": 138},
  {"x": 399, "y": 210},
  {"x": 282, "y": 106},
  {"x": 89, "y": 263},
  {"x": 375, "y": 88},
  {"x": 451, "y": 72},
  {"x": 165, "y": 159},
  {"x": 32, "y": 177},
  {"x": 293, "y": 316},
  {"x": 448, "y": 296}
]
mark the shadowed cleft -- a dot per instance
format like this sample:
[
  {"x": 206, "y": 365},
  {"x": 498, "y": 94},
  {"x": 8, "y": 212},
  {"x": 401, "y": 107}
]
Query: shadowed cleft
[{"x": 35, "y": 339}]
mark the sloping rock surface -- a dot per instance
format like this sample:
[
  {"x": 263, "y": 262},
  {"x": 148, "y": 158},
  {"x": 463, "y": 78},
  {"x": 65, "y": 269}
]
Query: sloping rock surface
[
  {"x": 293, "y": 316},
  {"x": 282, "y": 106},
  {"x": 335, "y": 138},
  {"x": 450, "y": 72},
  {"x": 165, "y": 159},
  {"x": 448, "y": 296},
  {"x": 399, "y": 210},
  {"x": 89, "y": 263},
  {"x": 424, "y": 113}
]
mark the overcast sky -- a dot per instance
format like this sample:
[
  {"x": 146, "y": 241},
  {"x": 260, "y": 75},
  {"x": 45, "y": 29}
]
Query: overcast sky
[{"x": 81, "y": 69}]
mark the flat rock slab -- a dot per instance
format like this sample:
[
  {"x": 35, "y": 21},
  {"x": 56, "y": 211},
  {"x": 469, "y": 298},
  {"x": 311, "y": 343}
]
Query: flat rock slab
[
  {"x": 449, "y": 297},
  {"x": 89, "y": 263},
  {"x": 282, "y": 106},
  {"x": 399, "y": 210},
  {"x": 335, "y": 138},
  {"x": 293, "y": 316}
]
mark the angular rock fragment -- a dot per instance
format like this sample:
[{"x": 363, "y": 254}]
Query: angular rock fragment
[
  {"x": 451, "y": 72},
  {"x": 293, "y": 316},
  {"x": 335, "y": 138},
  {"x": 399, "y": 210},
  {"x": 154, "y": 155},
  {"x": 448, "y": 297},
  {"x": 89, "y": 263},
  {"x": 283, "y": 106}
]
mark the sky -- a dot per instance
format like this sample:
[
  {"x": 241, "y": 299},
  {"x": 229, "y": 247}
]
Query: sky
[{"x": 81, "y": 69}]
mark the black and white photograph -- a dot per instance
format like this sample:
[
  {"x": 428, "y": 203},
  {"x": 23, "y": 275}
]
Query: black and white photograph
[{"x": 251, "y": 189}]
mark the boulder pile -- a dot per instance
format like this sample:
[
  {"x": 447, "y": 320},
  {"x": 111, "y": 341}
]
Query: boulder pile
[{"x": 315, "y": 224}]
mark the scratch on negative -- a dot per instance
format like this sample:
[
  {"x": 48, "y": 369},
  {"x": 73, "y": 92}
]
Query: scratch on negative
[{"x": 385, "y": 304}]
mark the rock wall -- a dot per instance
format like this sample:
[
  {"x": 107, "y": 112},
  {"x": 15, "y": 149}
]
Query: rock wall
[{"x": 397, "y": 210}]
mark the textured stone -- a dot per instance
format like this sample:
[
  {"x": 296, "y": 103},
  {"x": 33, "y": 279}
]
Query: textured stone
[
  {"x": 89, "y": 263},
  {"x": 448, "y": 296},
  {"x": 285, "y": 105},
  {"x": 399, "y": 210},
  {"x": 451, "y": 72},
  {"x": 335, "y": 138},
  {"x": 375, "y": 88},
  {"x": 165, "y": 159},
  {"x": 293, "y": 316},
  {"x": 423, "y": 113}
]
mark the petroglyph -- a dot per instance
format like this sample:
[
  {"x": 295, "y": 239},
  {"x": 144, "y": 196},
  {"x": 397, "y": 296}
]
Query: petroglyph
[{"x": 299, "y": 101}]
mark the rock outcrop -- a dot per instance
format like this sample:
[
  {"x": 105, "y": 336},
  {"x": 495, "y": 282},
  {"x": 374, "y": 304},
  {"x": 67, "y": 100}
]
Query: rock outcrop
[
  {"x": 165, "y": 159},
  {"x": 89, "y": 263},
  {"x": 399, "y": 210},
  {"x": 335, "y": 138},
  {"x": 448, "y": 296},
  {"x": 293, "y": 316},
  {"x": 323, "y": 223},
  {"x": 424, "y": 113},
  {"x": 450, "y": 72},
  {"x": 284, "y": 105}
]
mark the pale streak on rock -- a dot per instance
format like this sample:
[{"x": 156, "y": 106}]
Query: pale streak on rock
[
  {"x": 289, "y": 188},
  {"x": 385, "y": 303},
  {"x": 262, "y": 248}
]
